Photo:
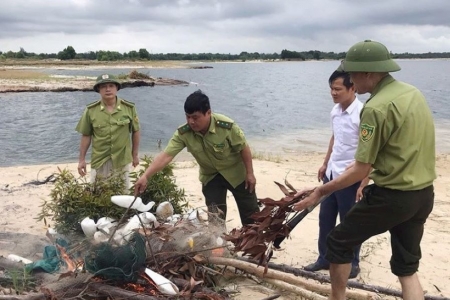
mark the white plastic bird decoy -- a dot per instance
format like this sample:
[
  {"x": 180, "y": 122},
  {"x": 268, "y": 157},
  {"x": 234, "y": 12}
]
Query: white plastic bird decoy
[
  {"x": 147, "y": 218},
  {"x": 105, "y": 224},
  {"x": 126, "y": 200},
  {"x": 163, "y": 284},
  {"x": 132, "y": 223},
  {"x": 100, "y": 237},
  {"x": 17, "y": 258},
  {"x": 164, "y": 210},
  {"x": 88, "y": 226}
]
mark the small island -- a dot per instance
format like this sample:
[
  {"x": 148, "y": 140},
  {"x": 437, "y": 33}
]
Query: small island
[{"x": 15, "y": 80}]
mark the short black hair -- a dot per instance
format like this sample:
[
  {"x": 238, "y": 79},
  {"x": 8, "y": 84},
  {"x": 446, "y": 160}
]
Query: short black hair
[
  {"x": 197, "y": 101},
  {"x": 345, "y": 77}
]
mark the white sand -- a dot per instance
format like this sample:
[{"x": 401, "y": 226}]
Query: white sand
[{"x": 20, "y": 203}]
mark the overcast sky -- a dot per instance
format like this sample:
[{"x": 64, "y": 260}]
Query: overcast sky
[{"x": 225, "y": 26}]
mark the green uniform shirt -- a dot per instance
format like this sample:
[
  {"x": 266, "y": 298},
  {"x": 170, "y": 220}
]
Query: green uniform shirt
[
  {"x": 218, "y": 151},
  {"x": 110, "y": 132},
  {"x": 397, "y": 137}
]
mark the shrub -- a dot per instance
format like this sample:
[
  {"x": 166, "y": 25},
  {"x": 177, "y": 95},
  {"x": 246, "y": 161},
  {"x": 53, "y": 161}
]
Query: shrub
[
  {"x": 161, "y": 187},
  {"x": 71, "y": 199}
]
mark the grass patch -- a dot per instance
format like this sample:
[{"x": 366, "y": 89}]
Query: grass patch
[
  {"x": 259, "y": 155},
  {"x": 19, "y": 280},
  {"x": 133, "y": 75},
  {"x": 21, "y": 74}
]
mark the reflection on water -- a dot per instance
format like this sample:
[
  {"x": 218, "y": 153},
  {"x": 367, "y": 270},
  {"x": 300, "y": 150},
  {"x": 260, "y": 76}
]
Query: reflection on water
[{"x": 282, "y": 108}]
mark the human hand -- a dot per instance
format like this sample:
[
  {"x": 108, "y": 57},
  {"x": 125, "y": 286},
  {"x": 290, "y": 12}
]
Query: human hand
[
  {"x": 135, "y": 161},
  {"x": 82, "y": 167},
  {"x": 321, "y": 173},
  {"x": 359, "y": 194},
  {"x": 310, "y": 200},
  {"x": 250, "y": 182},
  {"x": 140, "y": 185}
]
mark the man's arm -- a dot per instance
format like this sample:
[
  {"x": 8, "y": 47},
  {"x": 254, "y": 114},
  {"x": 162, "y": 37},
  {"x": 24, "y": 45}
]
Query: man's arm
[
  {"x": 160, "y": 161},
  {"x": 357, "y": 173},
  {"x": 84, "y": 146},
  {"x": 135, "y": 139},
  {"x": 250, "y": 180},
  {"x": 323, "y": 168}
]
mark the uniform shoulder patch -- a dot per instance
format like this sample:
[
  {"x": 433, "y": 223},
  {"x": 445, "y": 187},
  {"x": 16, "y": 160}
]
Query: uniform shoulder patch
[
  {"x": 127, "y": 103},
  {"x": 184, "y": 128},
  {"x": 366, "y": 132},
  {"x": 224, "y": 124},
  {"x": 93, "y": 104}
]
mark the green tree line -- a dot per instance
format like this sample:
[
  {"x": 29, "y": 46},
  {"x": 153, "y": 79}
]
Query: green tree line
[{"x": 69, "y": 53}]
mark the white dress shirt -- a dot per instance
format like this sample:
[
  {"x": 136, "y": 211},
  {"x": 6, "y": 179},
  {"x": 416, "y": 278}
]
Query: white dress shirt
[{"x": 345, "y": 126}]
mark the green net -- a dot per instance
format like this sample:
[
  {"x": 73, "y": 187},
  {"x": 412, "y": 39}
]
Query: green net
[{"x": 119, "y": 263}]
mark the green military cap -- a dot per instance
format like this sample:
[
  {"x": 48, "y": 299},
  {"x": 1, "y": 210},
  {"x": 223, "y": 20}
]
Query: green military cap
[
  {"x": 369, "y": 56},
  {"x": 340, "y": 68},
  {"x": 106, "y": 78}
]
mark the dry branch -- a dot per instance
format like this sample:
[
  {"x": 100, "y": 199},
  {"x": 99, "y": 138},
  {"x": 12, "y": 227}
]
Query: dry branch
[
  {"x": 118, "y": 293},
  {"x": 273, "y": 274},
  {"x": 326, "y": 279},
  {"x": 295, "y": 289},
  {"x": 37, "y": 296}
]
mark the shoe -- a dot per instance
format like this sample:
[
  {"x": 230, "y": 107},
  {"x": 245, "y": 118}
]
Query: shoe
[
  {"x": 354, "y": 272},
  {"x": 316, "y": 267}
]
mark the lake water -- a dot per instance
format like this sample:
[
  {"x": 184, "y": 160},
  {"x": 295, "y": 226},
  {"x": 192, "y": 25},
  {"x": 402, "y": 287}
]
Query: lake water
[{"x": 282, "y": 107}]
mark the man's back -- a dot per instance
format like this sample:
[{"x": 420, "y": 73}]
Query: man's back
[{"x": 402, "y": 149}]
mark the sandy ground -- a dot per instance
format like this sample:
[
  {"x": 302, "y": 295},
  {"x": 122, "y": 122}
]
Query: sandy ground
[{"x": 20, "y": 203}]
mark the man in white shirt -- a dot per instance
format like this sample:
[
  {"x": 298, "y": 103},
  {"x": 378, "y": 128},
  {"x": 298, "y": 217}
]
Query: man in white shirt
[{"x": 341, "y": 152}]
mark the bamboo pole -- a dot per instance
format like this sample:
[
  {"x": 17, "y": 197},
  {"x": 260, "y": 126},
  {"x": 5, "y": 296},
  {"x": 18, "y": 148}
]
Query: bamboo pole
[
  {"x": 273, "y": 274},
  {"x": 326, "y": 279},
  {"x": 295, "y": 289}
]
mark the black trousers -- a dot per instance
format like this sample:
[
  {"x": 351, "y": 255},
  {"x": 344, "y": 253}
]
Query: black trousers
[
  {"x": 402, "y": 213},
  {"x": 338, "y": 203},
  {"x": 215, "y": 193}
]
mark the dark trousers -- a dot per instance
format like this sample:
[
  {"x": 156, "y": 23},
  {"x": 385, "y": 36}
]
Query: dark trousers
[
  {"x": 340, "y": 202},
  {"x": 215, "y": 193},
  {"x": 402, "y": 213}
]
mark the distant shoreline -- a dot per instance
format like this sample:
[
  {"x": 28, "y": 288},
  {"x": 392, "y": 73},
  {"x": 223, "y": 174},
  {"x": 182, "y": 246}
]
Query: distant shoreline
[
  {"x": 16, "y": 80},
  {"x": 128, "y": 64}
]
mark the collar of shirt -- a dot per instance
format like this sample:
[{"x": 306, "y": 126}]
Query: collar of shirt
[
  {"x": 212, "y": 126},
  {"x": 352, "y": 106},
  {"x": 118, "y": 104},
  {"x": 383, "y": 82},
  {"x": 337, "y": 109}
]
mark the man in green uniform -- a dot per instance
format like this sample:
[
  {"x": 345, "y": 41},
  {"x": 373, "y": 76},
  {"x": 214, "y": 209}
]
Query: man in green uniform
[
  {"x": 396, "y": 139},
  {"x": 108, "y": 123},
  {"x": 219, "y": 147}
]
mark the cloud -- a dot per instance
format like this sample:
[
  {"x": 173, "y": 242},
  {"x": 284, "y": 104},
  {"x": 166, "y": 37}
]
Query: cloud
[{"x": 223, "y": 26}]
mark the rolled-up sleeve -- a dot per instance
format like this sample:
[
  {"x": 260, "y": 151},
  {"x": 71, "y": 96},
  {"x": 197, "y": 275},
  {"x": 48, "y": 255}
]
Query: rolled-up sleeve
[
  {"x": 237, "y": 139},
  {"x": 374, "y": 132},
  {"x": 135, "y": 125},
  {"x": 175, "y": 145},
  {"x": 84, "y": 126}
]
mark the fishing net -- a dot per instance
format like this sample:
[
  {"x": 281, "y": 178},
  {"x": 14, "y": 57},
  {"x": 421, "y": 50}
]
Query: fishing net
[
  {"x": 163, "y": 247},
  {"x": 118, "y": 263}
]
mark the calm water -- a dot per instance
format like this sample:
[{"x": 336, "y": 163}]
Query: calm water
[{"x": 282, "y": 107}]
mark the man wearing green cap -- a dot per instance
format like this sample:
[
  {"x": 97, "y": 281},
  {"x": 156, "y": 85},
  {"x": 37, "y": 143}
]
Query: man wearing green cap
[
  {"x": 108, "y": 123},
  {"x": 397, "y": 139}
]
